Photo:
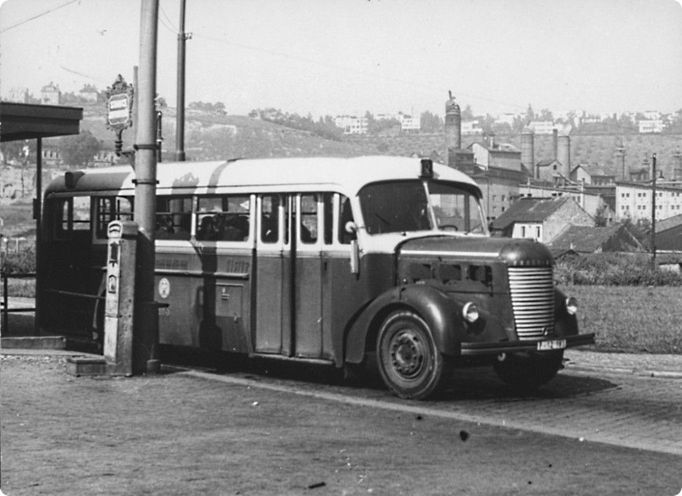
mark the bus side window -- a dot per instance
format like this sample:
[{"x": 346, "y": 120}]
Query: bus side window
[
  {"x": 308, "y": 218},
  {"x": 328, "y": 206},
  {"x": 223, "y": 218},
  {"x": 111, "y": 208},
  {"x": 269, "y": 218},
  {"x": 74, "y": 215},
  {"x": 173, "y": 217},
  {"x": 345, "y": 216}
]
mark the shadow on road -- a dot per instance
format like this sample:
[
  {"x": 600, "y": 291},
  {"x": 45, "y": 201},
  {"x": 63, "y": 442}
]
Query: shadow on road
[{"x": 467, "y": 384}]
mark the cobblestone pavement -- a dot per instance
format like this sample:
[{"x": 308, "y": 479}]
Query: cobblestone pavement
[
  {"x": 606, "y": 405},
  {"x": 620, "y": 399},
  {"x": 640, "y": 364}
]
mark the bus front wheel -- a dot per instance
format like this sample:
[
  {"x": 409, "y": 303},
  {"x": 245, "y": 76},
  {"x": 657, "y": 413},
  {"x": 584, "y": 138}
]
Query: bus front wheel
[{"x": 409, "y": 362}]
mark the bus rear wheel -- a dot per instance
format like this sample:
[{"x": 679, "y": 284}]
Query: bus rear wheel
[
  {"x": 527, "y": 372},
  {"x": 409, "y": 362}
]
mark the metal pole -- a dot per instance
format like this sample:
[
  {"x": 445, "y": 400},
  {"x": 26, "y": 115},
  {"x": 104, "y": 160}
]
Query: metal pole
[
  {"x": 145, "y": 335},
  {"x": 180, "y": 112},
  {"x": 653, "y": 212}
]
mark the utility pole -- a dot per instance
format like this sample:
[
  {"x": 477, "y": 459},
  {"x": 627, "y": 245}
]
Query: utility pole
[
  {"x": 180, "y": 112},
  {"x": 653, "y": 212},
  {"x": 146, "y": 332}
]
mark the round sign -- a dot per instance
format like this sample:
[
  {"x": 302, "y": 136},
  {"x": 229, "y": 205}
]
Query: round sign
[{"x": 164, "y": 288}]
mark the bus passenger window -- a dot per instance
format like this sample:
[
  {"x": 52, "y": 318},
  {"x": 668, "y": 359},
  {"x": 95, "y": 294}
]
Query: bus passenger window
[
  {"x": 223, "y": 218},
  {"x": 74, "y": 216},
  {"x": 345, "y": 216},
  {"x": 269, "y": 218},
  {"x": 111, "y": 208},
  {"x": 173, "y": 217},
  {"x": 328, "y": 206},
  {"x": 308, "y": 219}
]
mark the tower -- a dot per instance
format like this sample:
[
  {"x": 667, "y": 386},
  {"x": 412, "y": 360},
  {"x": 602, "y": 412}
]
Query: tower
[{"x": 453, "y": 129}]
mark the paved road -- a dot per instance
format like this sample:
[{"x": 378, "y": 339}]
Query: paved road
[{"x": 622, "y": 409}]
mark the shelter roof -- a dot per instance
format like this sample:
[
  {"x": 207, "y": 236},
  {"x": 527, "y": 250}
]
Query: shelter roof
[{"x": 20, "y": 121}]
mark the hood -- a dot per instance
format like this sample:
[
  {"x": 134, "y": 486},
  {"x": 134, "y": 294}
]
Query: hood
[{"x": 512, "y": 251}]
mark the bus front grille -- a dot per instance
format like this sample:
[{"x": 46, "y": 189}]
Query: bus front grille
[{"x": 532, "y": 297}]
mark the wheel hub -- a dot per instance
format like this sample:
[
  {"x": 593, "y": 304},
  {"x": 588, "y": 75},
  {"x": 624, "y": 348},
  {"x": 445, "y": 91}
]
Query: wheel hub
[{"x": 407, "y": 354}]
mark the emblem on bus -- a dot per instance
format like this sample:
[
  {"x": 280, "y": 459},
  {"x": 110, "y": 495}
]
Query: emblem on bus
[{"x": 164, "y": 288}]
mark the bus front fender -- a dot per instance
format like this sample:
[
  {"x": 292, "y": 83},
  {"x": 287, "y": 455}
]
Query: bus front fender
[{"x": 439, "y": 311}]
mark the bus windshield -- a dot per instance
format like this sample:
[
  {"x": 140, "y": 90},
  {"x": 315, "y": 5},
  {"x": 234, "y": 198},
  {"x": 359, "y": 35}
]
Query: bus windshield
[{"x": 415, "y": 205}]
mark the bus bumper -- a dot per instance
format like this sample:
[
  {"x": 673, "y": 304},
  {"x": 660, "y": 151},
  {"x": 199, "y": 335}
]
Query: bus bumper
[{"x": 482, "y": 349}]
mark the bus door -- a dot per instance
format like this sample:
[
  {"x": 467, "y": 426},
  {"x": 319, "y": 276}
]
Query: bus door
[
  {"x": 289, "y": 271},
  {"x": 307, "y": 274},
  {"x": 271, "y": 302}
]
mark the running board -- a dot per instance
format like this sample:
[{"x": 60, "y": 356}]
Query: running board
[{"x": 283, "y": 358}]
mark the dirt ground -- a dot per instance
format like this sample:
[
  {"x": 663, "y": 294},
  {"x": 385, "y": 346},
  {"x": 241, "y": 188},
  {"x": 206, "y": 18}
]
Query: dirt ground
[{"x": 178, "y": 435}]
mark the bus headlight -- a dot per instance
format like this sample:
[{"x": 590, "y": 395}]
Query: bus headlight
[
  {"x": 470, "y": 312},
  {"x": 571, "y": 305}
]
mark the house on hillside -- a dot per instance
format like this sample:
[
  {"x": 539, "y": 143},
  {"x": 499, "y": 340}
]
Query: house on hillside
[
  {"x": 549, "y": 170},
  {"x": 669, "y": 234},
  {"x": 592, "y": 174},
  {"x": 583, "y": 239},
  {"x": 541, "y": 219}
]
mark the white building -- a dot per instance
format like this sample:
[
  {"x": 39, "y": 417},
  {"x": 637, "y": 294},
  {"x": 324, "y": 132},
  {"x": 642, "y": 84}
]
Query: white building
[
  {"x": 470, "y": 128},
  {"x": 542, "y": 127},
  {"x": 650, "y": 126},
  {"x": 409, "y": 123},
  {"x": 351, "y": 124},
  {"x": 634, "y": 201}
]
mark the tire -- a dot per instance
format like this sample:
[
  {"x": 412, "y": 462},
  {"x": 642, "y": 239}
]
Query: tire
[
  {"x": 527, "y": 372},
  {"x": 409, "y": 362}
]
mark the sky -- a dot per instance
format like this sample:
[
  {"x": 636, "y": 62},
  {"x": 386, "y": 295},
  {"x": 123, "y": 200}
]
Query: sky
[{"x": 332, "y": 57}]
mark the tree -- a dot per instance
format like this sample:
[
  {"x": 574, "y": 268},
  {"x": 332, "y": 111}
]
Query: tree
[
  {"x": 79, "y": 149},
  {"x": 468, "y": 114},
  {"x": 430, "y": 123}
]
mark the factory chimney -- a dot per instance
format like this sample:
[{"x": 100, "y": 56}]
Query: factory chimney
[
  {"x": 564, "y": 154},
  {"x": 453, "y": 129},
  {"x": 623, "y": 173},
  {"x": 528, "y": 151}
]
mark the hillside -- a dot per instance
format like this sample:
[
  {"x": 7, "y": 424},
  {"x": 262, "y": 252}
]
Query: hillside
[
  {"x": 209, "y": 137},
  {"x": 585, "y": 149}
]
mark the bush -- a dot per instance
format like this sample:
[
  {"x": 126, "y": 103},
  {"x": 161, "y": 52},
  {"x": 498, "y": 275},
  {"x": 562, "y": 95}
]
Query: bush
[
  {"x": 614, "y": 269},
  {"x": 20, "y": 262}
]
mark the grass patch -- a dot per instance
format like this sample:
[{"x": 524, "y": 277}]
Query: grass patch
[
  {"x": 631, "y": 319},
  {"x": 25, "y": 288}
]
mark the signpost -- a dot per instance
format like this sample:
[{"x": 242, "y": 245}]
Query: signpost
[{"x": 119, "y": 110}]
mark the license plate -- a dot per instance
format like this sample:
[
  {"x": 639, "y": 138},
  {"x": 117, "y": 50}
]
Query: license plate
[{"x": 554, "y": 344}]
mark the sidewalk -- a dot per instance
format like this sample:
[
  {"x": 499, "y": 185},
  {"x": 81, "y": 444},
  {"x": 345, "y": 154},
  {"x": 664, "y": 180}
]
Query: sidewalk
[
  {"x": 644, "y": 364},
  {"x": 669, "y": 366}
]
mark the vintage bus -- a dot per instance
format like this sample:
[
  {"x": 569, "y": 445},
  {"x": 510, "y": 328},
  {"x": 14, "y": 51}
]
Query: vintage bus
[{"x": 325, "y": 260}]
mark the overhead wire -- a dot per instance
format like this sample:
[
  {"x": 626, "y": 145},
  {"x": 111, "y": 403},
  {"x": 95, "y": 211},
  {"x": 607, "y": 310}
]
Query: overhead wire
[{"x": 37, "y": 16}]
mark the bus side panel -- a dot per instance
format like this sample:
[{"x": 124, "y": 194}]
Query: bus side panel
[
  {"x": 270, "y": 305},
  {"x": 308, "y": 300},
  {"x": 178, "y": 289}
]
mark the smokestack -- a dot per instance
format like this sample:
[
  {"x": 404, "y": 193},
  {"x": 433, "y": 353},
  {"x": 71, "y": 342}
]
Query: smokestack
[
  {"x": 528, "y": 150},
  {"x": 623, "y": 173},
  {"x": 555, "y": 141},
  {"x": 677, "y": 172},
  {"x": 453, "y": 129},
  {"x": 564, "y": 154}
]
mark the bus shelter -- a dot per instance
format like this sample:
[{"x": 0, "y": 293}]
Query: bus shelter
[{"x": 21, "y": 121}]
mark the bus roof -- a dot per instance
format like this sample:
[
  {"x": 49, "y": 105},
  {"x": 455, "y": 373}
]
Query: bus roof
[{"x": 345, "y": 174}]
